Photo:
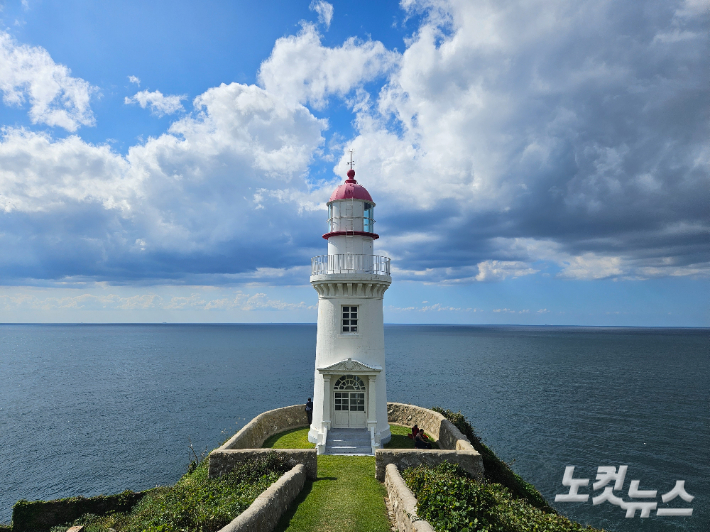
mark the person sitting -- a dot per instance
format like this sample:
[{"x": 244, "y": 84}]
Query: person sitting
[
  {"x": 413, "y": 434},
  {"x": 420, "y": 440}
]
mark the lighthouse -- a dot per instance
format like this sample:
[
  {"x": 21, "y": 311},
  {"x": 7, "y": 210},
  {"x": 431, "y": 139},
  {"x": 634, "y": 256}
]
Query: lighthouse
[{"x": 350, "y": 392}]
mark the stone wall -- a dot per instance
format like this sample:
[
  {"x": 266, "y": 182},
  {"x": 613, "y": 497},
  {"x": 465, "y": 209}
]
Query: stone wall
[
  {"x": 222, "y": 461},
  {"x": 403, "y": 502},
  {"x": 265, "y": 512},
  {"x": 448, "y": 436},
  {"x": 36, "y": 516},
  {"x": 470, "y": 461},
  {"x": 255, "y": 433}
]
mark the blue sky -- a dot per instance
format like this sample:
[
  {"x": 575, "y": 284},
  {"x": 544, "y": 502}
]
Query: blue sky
[{"x": 537, "y": 162}]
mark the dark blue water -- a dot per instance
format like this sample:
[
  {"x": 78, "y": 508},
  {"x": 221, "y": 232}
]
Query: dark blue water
[{"x": 89, "y": 409}]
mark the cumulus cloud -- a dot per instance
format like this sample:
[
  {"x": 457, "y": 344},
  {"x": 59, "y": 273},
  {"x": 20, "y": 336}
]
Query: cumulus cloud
[
  {"x": 300, "y": 69},
  {"x": 134, "y": 79},
  {"x": 324, "y": 10},
  {"x": 183, "y": 201},
  {"x": 28, "y": 74},
  {"x": 510, "y": 140},
  {"x": 41, "y": 175},
  {"x": 159, "y": 104},
  {"x": 539, "y": 121}
]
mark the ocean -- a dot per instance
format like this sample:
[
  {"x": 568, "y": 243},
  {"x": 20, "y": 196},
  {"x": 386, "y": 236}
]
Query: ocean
[{"x": 91, "y": 409}]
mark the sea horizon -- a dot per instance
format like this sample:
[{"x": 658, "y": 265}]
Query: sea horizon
[{"x": 385, "y": 323}]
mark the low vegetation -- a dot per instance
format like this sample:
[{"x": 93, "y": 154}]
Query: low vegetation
[
  {"x": 195, "y": 503},
  {"x": 345, "y": 497},
  {"x": 450, "y": 500},
  {"x": 496, "y": 470}
]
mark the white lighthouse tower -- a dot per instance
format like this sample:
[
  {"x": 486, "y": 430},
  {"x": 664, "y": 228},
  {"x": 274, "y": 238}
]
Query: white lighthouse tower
[{"x": 350, "y": 385}]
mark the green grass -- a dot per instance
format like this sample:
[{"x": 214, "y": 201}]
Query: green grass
[
  {"x": 195, "y": 503},
  {"x": 400, "y": 440},
  {"x": 346, "y": 497},
  {"x": 291, "y": 439},
  {"x": 298, "y": 439}
]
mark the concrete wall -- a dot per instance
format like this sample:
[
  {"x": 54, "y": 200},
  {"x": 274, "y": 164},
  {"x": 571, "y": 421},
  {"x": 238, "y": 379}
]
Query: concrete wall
[
  {"x": 403, "y": 503},
  {"x": 448, "y": 436},
  {"x": 470, "y": 461},
  {"x": 255, "y": 433},
  {"x": 265, "y": 512},
  {"x": 222, "y": 461}
]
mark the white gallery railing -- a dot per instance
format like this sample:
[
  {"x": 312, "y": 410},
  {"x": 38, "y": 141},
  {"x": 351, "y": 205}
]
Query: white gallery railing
[{"x": 348, "y": 263}]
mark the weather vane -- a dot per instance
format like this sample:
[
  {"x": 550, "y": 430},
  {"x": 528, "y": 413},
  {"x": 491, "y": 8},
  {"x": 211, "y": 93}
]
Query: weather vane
[{"x": 351, "y": 163}]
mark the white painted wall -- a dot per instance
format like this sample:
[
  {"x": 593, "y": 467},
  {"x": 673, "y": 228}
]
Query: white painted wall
[
  {"x": 368, "y": 344},
  {"x": 356, "y": 245}
]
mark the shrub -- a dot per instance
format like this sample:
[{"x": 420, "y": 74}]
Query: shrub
[
  {"x": 449, "y": 499},
  {"x": 496, "y": 470},
  {"x": 452, "y": 501},
  {"x": 195, "y": 503}
]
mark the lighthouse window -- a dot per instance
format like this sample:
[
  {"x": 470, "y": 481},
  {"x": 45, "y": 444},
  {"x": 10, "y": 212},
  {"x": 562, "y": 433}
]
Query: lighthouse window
[
  {"x": 349, "y": 382},
  {"x": 349, "y": 319},
  {"x": 368, "y": 221}
]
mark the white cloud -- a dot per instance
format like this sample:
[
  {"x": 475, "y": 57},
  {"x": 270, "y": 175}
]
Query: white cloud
[
  {"x": 302, "y": 70},
  {"x": 436, "y": 307},
  {"x": 534, "y": 120},
  {"x": 324, "y": 10},
  {"x": 505, "y": 141},
  {"x": 494, "y": 270},
  {"x": 591, "y": 266},
  {"x": 85, "y": 301},
  {"x": 189, "y": 191},
  {"x": 159, "y": 104},
  {"x": 24, "y": 298},
  {"x": 28, "y": 73},
  {"x": 134, "y": 79},
  {"x": 39, "y": 174}
]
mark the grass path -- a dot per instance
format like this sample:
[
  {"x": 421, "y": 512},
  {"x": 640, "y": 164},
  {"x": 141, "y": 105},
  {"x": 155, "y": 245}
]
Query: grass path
[{"x": 346, "y": 497}]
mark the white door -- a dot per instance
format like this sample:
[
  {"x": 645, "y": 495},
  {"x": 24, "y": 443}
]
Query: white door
[{"x": 349, "y": 403}]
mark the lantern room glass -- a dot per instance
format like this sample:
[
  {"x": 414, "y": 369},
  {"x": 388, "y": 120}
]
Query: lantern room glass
[{"x": 369, "y": 220}]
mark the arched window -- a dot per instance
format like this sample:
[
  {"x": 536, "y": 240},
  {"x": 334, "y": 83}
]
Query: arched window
[{"x": 350, "y": 382}]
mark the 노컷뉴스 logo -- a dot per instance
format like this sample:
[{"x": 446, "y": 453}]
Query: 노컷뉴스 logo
[{"x": 641, "y": 502}]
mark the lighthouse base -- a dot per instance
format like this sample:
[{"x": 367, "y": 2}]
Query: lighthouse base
[{"x": 322, "y": 437}]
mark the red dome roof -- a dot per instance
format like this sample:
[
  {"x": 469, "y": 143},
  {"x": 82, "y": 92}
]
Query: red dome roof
[{"x": 350, "y": 189}]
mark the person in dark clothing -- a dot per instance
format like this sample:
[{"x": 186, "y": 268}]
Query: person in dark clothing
[
  {"x": 415, "y": 431},
  {"x": 309, "y": 410},
  {"x": 420, "y": 441}
]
